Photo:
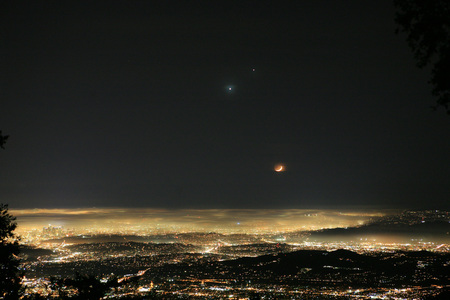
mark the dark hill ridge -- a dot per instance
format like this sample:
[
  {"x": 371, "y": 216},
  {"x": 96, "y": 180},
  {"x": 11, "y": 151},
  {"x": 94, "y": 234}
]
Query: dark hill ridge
[
  {"x": 291, "y": 263},
  {"x": 435, "y": 231},
  {"x": 29, "y": 253},
  {"x": 134, "y": 247},
  {"x": 118, "y": 238},
  {"x": 340, "y": 268},
  {"x": 345, "y": 268}
]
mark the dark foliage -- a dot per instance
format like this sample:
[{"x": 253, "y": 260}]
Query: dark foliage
[
  {"x": 3, "y": 139},
  {"x": 10, "y": 279},
  {"x": 88, "y": 287},
  {"x": 427, "y": 25}
]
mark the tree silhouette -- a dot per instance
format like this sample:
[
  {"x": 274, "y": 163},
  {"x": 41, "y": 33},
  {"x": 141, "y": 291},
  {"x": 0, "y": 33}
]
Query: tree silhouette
[
  {"x": 87, "y": 287},
  {"x": 427, "y": 25},
  {"x": 3, "y": 139},
  {"x": 10, "y": 280}
]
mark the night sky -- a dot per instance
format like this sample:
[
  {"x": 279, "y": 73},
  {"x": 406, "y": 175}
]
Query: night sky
[{"x": 183, "y": 104}]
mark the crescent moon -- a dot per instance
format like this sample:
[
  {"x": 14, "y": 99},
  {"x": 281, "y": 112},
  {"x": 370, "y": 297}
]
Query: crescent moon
[{"x": 279, "y": 168}]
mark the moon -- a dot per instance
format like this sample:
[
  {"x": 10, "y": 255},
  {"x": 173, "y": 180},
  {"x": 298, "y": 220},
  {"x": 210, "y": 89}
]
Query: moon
[{"x": 279, "y": 168}]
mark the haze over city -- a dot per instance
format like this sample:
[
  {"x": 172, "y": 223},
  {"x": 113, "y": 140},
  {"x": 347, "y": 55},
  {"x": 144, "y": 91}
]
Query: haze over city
[{"x": 185, "y": 220}]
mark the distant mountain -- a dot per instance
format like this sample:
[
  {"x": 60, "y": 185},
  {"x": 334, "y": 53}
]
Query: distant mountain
[
  {"x": 116, "y": 238},
  {"x": 28, "y": 253},
  {"x": 293, "y": 262},
  {"x": 307, "y": 265},
  {"x": 433, "y": 231},
  {"x": 135, "y": 247}
]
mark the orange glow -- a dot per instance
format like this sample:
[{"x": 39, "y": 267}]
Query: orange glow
[
  {"x": 145, "y": 220},
  {"x": 279, "y": 168}
]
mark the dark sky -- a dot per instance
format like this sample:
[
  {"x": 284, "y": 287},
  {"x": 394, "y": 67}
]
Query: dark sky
[{"x": 126, "y": 103}]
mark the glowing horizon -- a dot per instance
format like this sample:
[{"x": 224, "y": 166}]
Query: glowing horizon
[{"x": 218, "y": 220}]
